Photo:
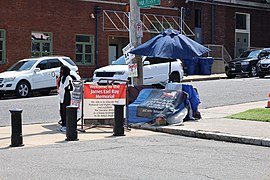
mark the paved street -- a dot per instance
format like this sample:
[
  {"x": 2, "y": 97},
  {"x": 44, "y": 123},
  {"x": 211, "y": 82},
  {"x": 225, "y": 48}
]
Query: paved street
[{"x": 155, "y": 156}]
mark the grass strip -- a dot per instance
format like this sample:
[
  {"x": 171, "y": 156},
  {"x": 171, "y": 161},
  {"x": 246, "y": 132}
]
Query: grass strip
[{"x": 257, "y": 114}]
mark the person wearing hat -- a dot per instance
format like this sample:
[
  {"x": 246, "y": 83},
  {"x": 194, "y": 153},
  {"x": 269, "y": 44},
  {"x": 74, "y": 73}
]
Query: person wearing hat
[{"x": 64, "y": 93}]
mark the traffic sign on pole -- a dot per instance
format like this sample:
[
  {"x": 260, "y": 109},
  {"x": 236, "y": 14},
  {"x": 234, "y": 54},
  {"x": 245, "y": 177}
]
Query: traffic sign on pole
[
  {"x": 148, "y": 3},
  {"x": 139, "y": 30}
]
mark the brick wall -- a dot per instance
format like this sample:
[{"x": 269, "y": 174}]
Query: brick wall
[
  {"x": 64, "y": 18},
  {"x": 224, "y": 24}
]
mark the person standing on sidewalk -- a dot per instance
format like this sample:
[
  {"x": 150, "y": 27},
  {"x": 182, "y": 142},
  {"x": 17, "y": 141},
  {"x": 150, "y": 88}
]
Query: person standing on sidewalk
[{"x": 65, "y": 87}]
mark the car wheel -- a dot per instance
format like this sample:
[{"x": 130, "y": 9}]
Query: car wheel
[
  {"x": 174, "y": 77},
  {"x": 253, "y": 71},
  {"x": 230, "y": 76},
  {"x": 22, "y": 89}
]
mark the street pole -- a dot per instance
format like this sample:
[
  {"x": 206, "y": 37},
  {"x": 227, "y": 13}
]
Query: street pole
[
  {"x": 97, "y": 12},
  {"x": 135, "y": 35}
]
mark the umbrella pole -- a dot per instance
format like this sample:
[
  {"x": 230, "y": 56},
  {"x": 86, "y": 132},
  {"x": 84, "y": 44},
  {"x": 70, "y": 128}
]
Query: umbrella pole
[{"x": 170, "y": 78}]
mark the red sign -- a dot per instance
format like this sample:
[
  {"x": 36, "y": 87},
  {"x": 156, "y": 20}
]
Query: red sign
[
  {"x": 93, "y": 91},
  {"x": 99, "y": 100}
]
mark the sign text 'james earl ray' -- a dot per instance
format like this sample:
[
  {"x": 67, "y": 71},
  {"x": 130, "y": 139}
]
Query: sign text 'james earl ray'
[{"x": 99, "y": 100}]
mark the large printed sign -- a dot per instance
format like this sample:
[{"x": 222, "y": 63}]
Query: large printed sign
[
  {"x": 99, "y": 100},
  {"x": 160, "y": 102}
]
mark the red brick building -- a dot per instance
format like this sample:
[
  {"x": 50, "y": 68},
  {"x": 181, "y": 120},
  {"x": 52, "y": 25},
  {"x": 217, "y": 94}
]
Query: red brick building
[{"x": 93, "y": 32}]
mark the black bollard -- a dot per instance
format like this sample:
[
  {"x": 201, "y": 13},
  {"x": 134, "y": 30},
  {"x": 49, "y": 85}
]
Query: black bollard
[
  {"x": 71, "y": 132},
  {"x": 118, "y": 129},
  {"x": 16, "y": 128}
]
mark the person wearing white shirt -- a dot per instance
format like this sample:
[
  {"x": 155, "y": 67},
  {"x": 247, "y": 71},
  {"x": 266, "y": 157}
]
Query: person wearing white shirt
[{"x": 64, "y": 92}]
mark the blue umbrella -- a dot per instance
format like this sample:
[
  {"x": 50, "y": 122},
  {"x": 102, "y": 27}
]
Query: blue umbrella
[{"x": 170, "y": 44}]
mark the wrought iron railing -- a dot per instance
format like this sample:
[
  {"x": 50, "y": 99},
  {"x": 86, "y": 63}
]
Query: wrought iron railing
[
  {"x": 151, "y": 23},
  {"x": 218, "y": 52}
]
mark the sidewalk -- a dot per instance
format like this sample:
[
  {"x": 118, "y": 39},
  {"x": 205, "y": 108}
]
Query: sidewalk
[
  {"x": 213, "y": 126},
  {"x": 203, "y": 77},
  {"x": 46, "y": 134}
]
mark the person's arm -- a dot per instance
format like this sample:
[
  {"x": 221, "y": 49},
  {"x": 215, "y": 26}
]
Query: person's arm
[{"x": 70, "y": 85}]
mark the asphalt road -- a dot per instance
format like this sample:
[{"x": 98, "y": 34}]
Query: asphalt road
[
  {"x": 216, "y": 93},
  {"x": 160, "y": 156},
  {"x": 213, "y": 93},
  {"x": 41, "y": 109}
]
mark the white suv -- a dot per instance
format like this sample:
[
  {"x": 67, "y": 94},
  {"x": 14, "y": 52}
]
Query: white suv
[
  {"x": 155, "y": 71},
  {"x": 35, "y": 74}
]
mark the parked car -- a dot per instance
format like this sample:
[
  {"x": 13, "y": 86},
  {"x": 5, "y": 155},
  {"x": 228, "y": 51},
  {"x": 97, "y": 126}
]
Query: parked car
[
  {"x": 35, "y": 74},
  {"x": 263, "y": 67},
  {"x": 155, "y": 71},
  {"x": 246, "y": 63}
]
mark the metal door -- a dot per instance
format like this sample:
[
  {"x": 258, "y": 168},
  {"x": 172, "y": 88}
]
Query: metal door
[
  {"x": 112, "y": 53},
  {"x": 198, "y": 35},
  {"x": 241, "y": 43}
]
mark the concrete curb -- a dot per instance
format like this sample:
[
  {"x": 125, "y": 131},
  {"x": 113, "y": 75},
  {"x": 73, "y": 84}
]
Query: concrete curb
[
  {"x": 206, "y": 135},
  {"x": 202, "y": 78}
]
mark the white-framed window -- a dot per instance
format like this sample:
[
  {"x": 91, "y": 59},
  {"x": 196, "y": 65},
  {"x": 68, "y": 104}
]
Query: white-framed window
[
  {"x": 2, "y": 46},
  {"x": 41, "y": 44},
  {"x": 84, "y": 49},
  {"x": 242, "y": 22}
]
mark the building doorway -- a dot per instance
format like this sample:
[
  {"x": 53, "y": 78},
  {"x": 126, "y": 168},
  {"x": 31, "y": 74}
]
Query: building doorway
[
  {"x": 242, "y": 33},
  {"x": 198, "y": 26},
  {"x": 116, "y": 44},
  {"x": 113, "y": 53},
  {"x": 242, "y": 42}
]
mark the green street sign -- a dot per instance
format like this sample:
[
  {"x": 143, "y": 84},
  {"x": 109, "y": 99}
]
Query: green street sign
[{"x": 148, "y": 3}]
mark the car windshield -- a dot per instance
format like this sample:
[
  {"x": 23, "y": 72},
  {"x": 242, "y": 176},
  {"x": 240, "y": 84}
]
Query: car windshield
[
  {"x": 120, "y": 61},
  {"x": 22, "y": 65},
  {"x": 249, "y": 54}
]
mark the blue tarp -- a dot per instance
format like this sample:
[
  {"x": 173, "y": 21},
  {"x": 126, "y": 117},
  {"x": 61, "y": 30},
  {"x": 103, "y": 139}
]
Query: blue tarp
[
  {"x": 140, "y": 111},
  {"x": 193, "y": 97}
]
